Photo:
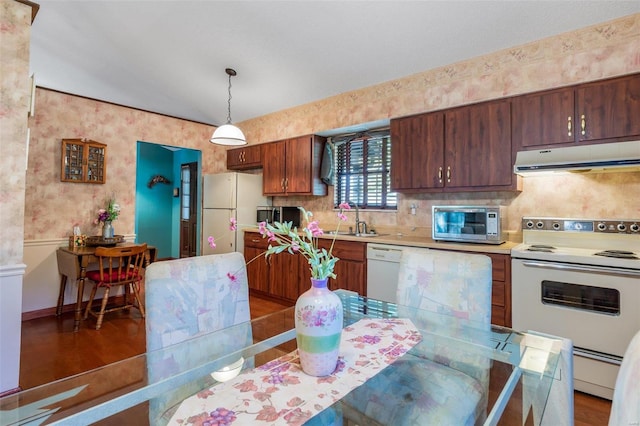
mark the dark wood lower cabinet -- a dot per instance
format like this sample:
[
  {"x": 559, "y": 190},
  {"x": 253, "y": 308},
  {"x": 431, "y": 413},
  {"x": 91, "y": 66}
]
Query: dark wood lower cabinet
[{"x": 285, "y": 276}]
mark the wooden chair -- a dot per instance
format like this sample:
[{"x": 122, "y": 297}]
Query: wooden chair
[{"x": 118, "y": 266}]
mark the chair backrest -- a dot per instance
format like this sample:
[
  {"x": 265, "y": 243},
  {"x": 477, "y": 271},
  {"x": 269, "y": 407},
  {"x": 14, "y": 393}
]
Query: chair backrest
[
  {"x": 456, "y": 285},
  {"x": 120, "y": 265},
  {"x": 187, "y": 298},
  {"x": 452, "y": 283},
  {"x": 625, "y": 407}
]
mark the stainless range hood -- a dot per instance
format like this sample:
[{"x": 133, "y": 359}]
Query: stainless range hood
[{"x": 606, "y": 157}]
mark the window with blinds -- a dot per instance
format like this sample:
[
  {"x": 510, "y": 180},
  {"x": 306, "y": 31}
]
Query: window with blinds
[{"x": 362, "y": 167}]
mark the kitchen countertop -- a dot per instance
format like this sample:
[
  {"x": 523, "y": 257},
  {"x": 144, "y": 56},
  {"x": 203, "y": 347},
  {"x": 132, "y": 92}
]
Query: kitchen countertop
[
  {"x": 396, "y": 238},
  {"x": 428, "y": 242}
]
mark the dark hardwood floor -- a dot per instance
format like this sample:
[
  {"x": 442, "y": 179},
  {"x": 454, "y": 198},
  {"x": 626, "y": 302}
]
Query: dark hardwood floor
[{"x": 50, "y": 350}]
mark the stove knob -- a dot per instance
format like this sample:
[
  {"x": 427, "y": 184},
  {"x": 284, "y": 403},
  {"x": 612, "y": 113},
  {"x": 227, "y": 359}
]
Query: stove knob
[
  {"x": 556, "y": 226},
  {"x": 602, "y": 226},
  {"x": 529, "y": 224},
  {"x": 634, "y": 227},
  {"x": 540, "y": 225},
  {"x": 622, "y": 227}
]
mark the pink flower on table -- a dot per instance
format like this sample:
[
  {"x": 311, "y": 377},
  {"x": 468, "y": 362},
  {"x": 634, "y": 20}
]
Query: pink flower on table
[
  {"x": 212, "y": 242},
  {"x": 233, "y": 224},
  {"x": 344, "y": 206}
]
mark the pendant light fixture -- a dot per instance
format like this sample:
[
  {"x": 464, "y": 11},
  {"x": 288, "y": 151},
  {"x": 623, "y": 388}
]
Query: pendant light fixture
[{"x": 228, "y": 134}]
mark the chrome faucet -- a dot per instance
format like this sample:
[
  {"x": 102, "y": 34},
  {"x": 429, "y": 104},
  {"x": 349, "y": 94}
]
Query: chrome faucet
[{"x": 361, "y": 226}]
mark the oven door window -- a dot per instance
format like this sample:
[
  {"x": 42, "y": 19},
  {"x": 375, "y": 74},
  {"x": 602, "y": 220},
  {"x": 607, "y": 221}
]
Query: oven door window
[{"x": 587, "y": 298}]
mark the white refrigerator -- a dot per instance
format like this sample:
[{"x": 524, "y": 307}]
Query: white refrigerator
[{"x": 224, "y": 196}]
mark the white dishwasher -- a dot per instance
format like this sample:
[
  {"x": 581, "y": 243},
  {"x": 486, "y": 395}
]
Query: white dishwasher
[{"x": 383, "y": 265}]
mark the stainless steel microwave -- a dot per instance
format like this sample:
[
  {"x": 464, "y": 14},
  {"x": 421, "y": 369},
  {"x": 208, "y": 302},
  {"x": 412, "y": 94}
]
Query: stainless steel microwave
[
  {"x": 280, "y": 214},
  {"x": 472, "y": 224}
]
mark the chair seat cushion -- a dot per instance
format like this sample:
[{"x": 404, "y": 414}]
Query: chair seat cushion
[
  {"x": 114, "y": 276},
  {"x": 417, "y": 391}
]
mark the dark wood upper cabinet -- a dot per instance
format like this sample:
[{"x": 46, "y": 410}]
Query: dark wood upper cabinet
[
  {"x": 245, "y": 158},
  {"x": 544, "y": 118},
  {"x": 460, "y": 149},
  {"x": 609, "y": 110},
  {"x": 478, "y": 147},
  {"x": 417, "y": 152},
  {"x": 602, "y": 111},
  {"x": 292, "y": 167}
]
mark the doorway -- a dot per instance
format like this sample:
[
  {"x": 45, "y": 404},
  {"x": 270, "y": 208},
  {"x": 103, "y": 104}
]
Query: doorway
[
  {"x": 189, "y": 210},
  {"x": 157, "y": 216}
]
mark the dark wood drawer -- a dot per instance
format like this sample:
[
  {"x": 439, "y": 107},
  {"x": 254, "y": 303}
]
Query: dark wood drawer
[
  {"x": 498, "y": 293},
  {"x": 346, "y": 250},
  {"x": 499, "y": 266},
  {"x": 255, "y": 240}
]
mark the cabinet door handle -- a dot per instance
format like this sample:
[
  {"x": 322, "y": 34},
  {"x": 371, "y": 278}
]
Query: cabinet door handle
[
  {"x": 282, "y": 184},
  {"x": 244, "y": 156},
  {"x": 440, "y": 174},
  {"x": 583, "y": 125},
  {"x": 448, "y": 173},
  {"x": 286, "y": 184},
  {"x": 569, "y": 126}
]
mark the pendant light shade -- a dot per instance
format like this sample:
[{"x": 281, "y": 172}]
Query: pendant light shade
[{"x": 228, "y": 134}]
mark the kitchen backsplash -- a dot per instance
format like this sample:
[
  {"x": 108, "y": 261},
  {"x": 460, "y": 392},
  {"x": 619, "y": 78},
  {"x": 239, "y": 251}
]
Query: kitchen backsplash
[{"x": 602, "y": 195}]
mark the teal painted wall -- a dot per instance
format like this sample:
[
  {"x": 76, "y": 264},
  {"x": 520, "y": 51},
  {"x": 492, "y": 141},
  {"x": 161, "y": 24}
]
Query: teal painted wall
[{"x": 157, "y": 219}]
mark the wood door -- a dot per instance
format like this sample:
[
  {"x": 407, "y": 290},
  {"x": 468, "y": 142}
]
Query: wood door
[
  {"x": 249, "y": 157},
  {"x": 478, "y": 146},
  {"x": 188, "y": 209},
  {"x": 257, "y": 269},
  {"x": 283, "y": 275},
  {"x": 543, "y": 119},
  {"x": 417, "y": 152},
  {"x": 299, "y": 155},
  {"x": 275, "y": 155},
  {"x": 609, "y": 109}
]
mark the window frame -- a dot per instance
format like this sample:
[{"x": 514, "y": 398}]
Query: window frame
[{"x": 362, "y": 173}]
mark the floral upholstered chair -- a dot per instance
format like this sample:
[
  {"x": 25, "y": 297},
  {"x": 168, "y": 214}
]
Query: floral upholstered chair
[
  {"x": 187, "y": 299},
  {"x": 435, "y": 383},
  {"x": 625, "y": 407}
]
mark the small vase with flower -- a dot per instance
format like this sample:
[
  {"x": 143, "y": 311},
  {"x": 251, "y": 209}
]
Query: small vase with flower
[
  {"x": 318, "y": 311},
  {"x": 106, "y": 218}
]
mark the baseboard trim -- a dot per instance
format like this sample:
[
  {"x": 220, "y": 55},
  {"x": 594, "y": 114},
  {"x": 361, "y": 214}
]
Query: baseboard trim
[
  {"x": 10, "y": 392},
  {"x": 49, "y": 312}
]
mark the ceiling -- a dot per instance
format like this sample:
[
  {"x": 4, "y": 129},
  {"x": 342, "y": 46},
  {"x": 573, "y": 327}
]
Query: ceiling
[{"x": 169, "y": 57}]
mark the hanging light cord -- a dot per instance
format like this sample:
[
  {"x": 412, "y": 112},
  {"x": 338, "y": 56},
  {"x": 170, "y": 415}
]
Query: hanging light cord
[{"x": 229, "y": 101}]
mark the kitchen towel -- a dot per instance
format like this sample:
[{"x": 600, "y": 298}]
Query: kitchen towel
[{"x": 326, "y": 168}]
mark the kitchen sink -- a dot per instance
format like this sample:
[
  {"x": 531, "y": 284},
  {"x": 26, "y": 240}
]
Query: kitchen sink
[{"x": 353, "y": 234}]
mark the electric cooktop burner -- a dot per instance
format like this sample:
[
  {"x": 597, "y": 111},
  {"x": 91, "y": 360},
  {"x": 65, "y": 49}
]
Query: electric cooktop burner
[
  {"x": 541, "y": 247},
  {"x": 621, "y": 254}
]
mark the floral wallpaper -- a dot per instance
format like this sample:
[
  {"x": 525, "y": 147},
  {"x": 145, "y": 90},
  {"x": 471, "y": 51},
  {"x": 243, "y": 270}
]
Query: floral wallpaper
[
  {"x": 15, "y": 33},
  {"x": 52, "y": 208}
]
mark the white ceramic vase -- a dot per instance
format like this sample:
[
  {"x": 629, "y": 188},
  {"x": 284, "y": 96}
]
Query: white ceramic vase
[{"x": 318, "y": 328}]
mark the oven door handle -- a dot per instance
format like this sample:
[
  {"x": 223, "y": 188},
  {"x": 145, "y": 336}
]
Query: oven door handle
[{"x": 582, "y": 268}]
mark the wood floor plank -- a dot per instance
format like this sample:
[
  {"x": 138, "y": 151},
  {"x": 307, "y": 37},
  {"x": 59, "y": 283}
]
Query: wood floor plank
[{"x": 50, "y": 350}]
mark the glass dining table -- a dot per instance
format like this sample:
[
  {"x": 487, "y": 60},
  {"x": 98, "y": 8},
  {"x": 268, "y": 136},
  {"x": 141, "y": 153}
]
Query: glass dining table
[{"x": 519, "y": 370}]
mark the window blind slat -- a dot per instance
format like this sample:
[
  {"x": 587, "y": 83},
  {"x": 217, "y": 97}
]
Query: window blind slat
[{"x": 363, "y": 171}]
